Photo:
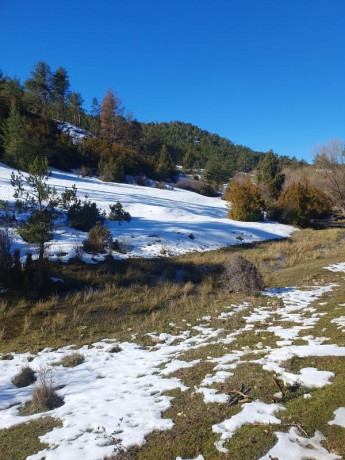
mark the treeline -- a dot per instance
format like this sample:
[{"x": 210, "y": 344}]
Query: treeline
[{"x": 117, "y": 144}]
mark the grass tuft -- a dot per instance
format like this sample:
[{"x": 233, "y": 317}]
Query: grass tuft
[
  {"x": 44, "y": 397},
  {"x": 25, "y": 377},
  {"x": 72, "y": 360}
]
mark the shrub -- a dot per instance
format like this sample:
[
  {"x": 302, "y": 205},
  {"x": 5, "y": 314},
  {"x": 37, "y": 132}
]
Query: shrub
[
  {"x": 38, "y": 228},
  {"x": 301, "y": 203},
  {"x": 24, "y": 378},
  {"x": 198, "y": 187},
  {"x": 245, "y": 200},
  {"x": 241, "y": 276},
  {"x": 97, "y": 239},
  {"x": 5, "y": 255},
  {"x": 44, "y": 397},
  {"x": 72, "y": 360},
  {"x": 118, "y": 213},
  {"x": 84, "y": 215},
  {"x": 118, "y": 246}
]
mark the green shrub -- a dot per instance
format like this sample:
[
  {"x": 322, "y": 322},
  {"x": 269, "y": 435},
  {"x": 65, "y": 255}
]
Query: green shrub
[
  {"x": 6, "y": 258},
  {"x": 301, "y": 203},
  {"x": 97, "y": 239},
  {"x": 38, "y": 228},
  {"x": 118, "y": 213},
  {"x": 84, "y": 215},
  {"x": 246, "y": 201}
]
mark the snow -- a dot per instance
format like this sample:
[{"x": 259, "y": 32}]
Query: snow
[
  {"x": 121, "y": 396},
  {"x": 199, "y": 457},
  {"x": 76, "y": 133},
  {"x": 293, "y": 446},
  {"x": 56, "y": 280},
  {"x": 212, "y": 396},
  {"x": 109, "y": 392},
  {"x": 339, "y": 321},
  {"x": 336, "y": 267},
  {"x": 161, "y": 220},
  {"x": 252, "y": 413},
  {"x": 339, "y": 418}
]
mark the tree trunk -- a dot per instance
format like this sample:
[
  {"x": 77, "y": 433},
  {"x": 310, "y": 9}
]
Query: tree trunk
[{"x": 41, "y": 266}]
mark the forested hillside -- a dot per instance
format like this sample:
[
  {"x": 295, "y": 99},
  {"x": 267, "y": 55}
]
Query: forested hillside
[{"x": 31, "y": 113}]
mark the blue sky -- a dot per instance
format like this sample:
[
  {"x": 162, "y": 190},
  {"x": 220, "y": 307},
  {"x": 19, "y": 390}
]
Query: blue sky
[{"x": 263, "y": 73}]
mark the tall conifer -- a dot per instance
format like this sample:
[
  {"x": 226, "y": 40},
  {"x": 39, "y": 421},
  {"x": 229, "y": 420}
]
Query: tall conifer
[
  {"x": 15, "y": 139},
  {"x": 60, "y": 87}
]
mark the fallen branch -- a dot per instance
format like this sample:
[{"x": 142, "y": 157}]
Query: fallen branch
[{"x": 239, "y": 396}]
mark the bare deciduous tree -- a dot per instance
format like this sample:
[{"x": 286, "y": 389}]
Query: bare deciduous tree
[{"x": 329, "y": 161}]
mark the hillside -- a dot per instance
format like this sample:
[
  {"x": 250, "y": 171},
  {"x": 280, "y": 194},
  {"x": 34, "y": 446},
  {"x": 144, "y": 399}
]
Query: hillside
[{"x": 164, "y": 222}]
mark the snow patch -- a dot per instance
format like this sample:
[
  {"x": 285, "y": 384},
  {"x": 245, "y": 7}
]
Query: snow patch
[
  {"x": 293, "y": 446},
  {"x": 252, "y": 413}
]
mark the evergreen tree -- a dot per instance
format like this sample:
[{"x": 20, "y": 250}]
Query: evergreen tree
[
  {"x": 246, "y": 203},
  {"x": 39, "y": 88},
  {"x": 188, "y": 160},
  {"x": 269, "y": 173},
  {"x": 75, "y": 102},
  {"x": 15, "y": 139},
  {"x": 95, "y": 112},
  {"x": 215, "y": 171},
  {"x": 165, "y": 165},
  {"x": 60, "y": 87},
  {"x": 33, "y": 194}
]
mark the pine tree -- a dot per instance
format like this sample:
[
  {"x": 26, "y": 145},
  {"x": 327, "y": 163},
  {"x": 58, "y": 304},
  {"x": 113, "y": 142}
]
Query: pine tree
[
  {"x": 188, "y": 160},
  {"x": 39, "y": 88},
  {"x": 60, "y": 87},
  {"x": 269, "y": 173},
  {"x": 95, "y": 112},
  {"x": 41, "y": 201},
  {"x": 165, "y": 165},
  {"x": 75, "y": 102},
  {"x": 215, "y": 171},
  {"x": 15, "y": 139}
]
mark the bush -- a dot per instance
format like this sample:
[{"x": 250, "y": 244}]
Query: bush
[
  {"x": 97, "y": 239},
  {"x": 246, "y": 201},
  {"x": 118, "y": 213},
  {"x": 38, "y": 228},
  {"x": 44, "y": 397},
  {"x": 241, "y": 276},
  {"x": 198, "y": 187},
  {"x": 24, "y": 378},
  {"x": 72, "y": 360},
  {"x": 5, "y": 255},
  {"x": 301, "y": 203},
  {"x": 118, "y": 246},
  {"x": 84, "y": 215}
]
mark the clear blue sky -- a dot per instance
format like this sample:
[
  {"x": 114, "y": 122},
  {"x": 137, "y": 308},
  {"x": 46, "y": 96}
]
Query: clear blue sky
[{"x": 264, "y": 73}]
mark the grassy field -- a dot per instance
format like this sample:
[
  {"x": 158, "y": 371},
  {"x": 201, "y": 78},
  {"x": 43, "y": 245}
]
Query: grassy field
[{"x": 121, "y": 298}]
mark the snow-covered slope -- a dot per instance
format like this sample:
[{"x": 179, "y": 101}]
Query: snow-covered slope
[
  {"x": 76, "y": 133},
  {"x": 168, "y": 222}
]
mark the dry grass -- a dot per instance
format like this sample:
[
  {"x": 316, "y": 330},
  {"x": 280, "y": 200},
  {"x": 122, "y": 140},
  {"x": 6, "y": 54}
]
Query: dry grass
[
  {"x": 71, "y": 360},
  {"x": 118, "y": 299},
  {"x": 44, "y": 397},
  {"x": 25, "y": 377}
]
